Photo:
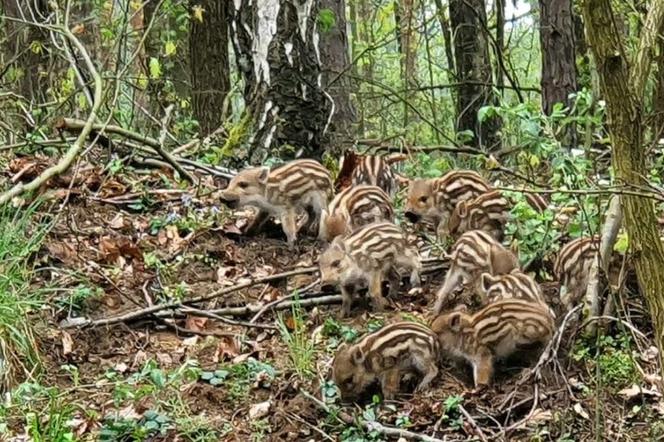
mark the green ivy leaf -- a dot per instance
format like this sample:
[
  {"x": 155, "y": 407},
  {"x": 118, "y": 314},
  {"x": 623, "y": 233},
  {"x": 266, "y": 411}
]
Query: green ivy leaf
[
  {"x": 170, "y": 48},
  {"x": 155, "y": 68}
]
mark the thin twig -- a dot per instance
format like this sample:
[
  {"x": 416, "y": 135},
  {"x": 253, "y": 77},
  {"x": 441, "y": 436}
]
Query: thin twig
[
  {"x": 76, "y": 147},
  {"x": 347, "y": 419},
  {"x": 473, "y": 424},
  {"x": 208, "y": 314},
  {"x": 133, "y": 315}
]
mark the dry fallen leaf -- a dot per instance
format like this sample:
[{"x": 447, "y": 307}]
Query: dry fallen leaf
[
  {"x": 62, "y": 251},
  {"x": 636, "y": 391},
  {"x": 578, "y": 408},
  {"x": 195, "y": 323},
  {"x": 67, "y": 343},
  {"x": 226, "y": 349}
]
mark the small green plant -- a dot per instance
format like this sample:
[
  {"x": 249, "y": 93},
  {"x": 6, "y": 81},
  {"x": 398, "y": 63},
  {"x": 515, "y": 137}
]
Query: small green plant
[
  {"x": 45, "y": 411},
  {"x": 259, "y": 428},
  {"x": 237, "y": 379},
  {"x": 609, "y": 359},
  {"x": 77, "y": 297},
  {"x": 300, "y": 345},
  {"x": 22, "y": 235},
  {"x": 216, "y": 377},
  {"x": 333, "y": 329},
  {"x": 451, "y": 414}
]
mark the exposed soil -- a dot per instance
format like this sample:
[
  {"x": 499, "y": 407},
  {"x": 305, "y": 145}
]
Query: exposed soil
[{"x": 153, "y": 246}]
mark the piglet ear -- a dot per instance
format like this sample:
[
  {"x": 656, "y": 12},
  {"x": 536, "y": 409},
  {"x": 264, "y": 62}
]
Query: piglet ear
[
  {"x": 486, "y": 280},
  {"x": 262, "y": 176},
  {"x": 454, "y": 321},
  {"x": 462, "y": 209},
  {"x": 357, "y": 356}
]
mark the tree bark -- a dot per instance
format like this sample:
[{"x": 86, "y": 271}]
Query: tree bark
[
  {"x": 404, "y": 12},
  {"x": 471, "y": 51},
  {"x": 208, "y": 52},
  {"x": 277, "y": 52},
  {"x": 447, "y": 38},
  {"x": 335, "y": 60},
  {"x": 26, "y": 47},
  {"x": 623, "y": 90},
  {"x": 500, "y": 43},
  {"x": 657, "y": 126},
  {"x": 558, "y": 55}
]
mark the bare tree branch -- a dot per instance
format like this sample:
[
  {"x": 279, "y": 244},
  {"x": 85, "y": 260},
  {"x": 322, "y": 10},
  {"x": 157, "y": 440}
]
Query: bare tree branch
[{"x": 76, "y": 147}]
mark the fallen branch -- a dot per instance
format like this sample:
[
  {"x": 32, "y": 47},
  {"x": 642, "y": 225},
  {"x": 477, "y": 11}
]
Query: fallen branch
[
  {"x": 136, "y": 314},
  {"x": 211, "y": 315},
  {"x": 476, "y": 428},
  {"x": 86, "y": 128},
  {"x": 347, "y": 419}
]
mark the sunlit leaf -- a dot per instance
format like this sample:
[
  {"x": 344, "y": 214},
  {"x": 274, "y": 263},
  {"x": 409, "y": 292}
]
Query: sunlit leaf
[
  {"x": 155, "y": 68},
  {"x": 197, "y": 12},
  {"x": 170, "y": 48}
]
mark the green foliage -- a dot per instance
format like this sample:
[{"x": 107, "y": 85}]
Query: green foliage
[
  {"x": 300, "y": 345},
  {"x": 333, "y": 329},
  {"x": 22, "y": 234},
  {"x": 609, "y": 359},
  {"x": 238, "y": 135},
  {"x": 46, "y": 412},
  {"x": 237, "y": 379},
  {"x": 327, "y": 20}
]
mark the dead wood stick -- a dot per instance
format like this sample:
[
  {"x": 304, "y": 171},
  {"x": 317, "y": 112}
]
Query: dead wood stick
[
  {"x": 476, "y": 428},
  {"x": 282, "y": 305},
  {"x": 208, "y": 314},
  {"x": 85, "y": 129},
  {"x": 347, "y": 419},
  {"x": 295, "y": 293},
  {"x": 133, "y": 315},
  {"x": 612, "y": 223}
]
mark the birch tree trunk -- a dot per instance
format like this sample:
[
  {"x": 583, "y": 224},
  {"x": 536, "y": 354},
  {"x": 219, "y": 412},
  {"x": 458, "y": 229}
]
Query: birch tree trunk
[
  {"x": 623, "y": 89},
  {"x": 277, "y": 50}
]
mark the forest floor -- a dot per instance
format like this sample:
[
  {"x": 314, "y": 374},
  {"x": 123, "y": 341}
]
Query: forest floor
[{"x": 138, "y": 240}]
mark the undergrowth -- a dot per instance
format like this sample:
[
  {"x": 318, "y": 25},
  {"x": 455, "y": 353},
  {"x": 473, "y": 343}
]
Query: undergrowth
[{"x": 21, "y": 236}]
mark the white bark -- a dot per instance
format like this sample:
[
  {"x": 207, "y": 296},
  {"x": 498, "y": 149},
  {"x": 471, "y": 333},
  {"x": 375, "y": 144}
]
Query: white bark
[
  {"x": 266, "y": 28},
  {"x": 303, "y": 13}
]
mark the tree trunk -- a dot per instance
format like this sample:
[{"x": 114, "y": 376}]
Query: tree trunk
[
  {"x": 657, "y": 126},
  {"x": 623, "y": 90},
  {"x": 26, "y": 47},
  {"x": 335, "y": 60},
  {"x": 558, "y": 57},
  {"x": 471, "y": 50},
  {"x": 277, "y": 52},
  {"x": 208, "y": 52},
  {"x": 447, "y": 38},
  {"x": 404, "y": 14},
  {"x": 500, "y": 43}
]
